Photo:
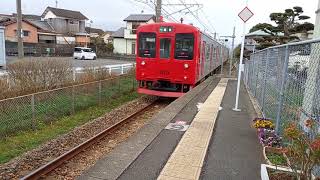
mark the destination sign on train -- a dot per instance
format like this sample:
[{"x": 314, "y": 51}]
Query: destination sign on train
[{"x": 165, "y": 29}]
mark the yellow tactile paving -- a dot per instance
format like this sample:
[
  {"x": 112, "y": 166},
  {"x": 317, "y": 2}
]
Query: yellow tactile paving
[
  {"x": 187, "y": 159},
  {"x": 163, "y": 177},
  {"x": 180, "y": 171}
]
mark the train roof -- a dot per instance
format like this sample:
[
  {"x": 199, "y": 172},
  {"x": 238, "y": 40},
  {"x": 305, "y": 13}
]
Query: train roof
[{"x": 187, "y": 26}]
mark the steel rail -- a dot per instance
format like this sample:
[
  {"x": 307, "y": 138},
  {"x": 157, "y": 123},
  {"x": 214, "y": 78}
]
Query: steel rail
[{"x": 57, "y": 162}]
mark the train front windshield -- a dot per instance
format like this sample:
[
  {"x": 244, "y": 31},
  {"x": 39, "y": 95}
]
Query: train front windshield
[
  {"x": 147, "y": 45},
  {"x": 184, "y": 46}
]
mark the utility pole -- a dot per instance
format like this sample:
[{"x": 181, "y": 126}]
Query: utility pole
[
  {"x": 158, "y": 10},
  {"x": 19, "y": 30},
  {"x": 232, "y": 49}
]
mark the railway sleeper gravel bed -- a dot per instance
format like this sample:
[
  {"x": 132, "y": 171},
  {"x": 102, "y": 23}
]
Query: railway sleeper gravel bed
[
  {"x": 74, "y": 167},
  {"x": 29, "y": 161}
]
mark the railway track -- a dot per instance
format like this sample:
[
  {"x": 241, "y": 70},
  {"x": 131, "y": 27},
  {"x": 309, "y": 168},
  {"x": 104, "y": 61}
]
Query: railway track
[{"x": 59, "y": 161}]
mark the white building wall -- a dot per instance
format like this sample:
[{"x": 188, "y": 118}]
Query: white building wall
[
  {"x": 50, "y": 15},
  {"x": 66, "y": 40},
  {"x": 2, "y": 48},
  {"x": 123, "y": 46}
]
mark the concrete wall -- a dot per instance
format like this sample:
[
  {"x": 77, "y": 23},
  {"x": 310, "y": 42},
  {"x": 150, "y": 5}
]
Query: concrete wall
[
  {"x": 2, "y": 48},
  {"x": 123, "y": 46},
  {"x": 50, "y": 15},
  {"x": 11, "y": 34}
]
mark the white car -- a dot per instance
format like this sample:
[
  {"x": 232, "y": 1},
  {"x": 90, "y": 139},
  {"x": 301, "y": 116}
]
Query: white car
[{"x": 84, "y": 53}]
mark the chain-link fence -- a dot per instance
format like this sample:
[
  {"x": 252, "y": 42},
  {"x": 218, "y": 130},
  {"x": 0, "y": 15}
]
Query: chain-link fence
[
  {"x": 31, "y": 111},
  {"x": 285, "y": 80}
]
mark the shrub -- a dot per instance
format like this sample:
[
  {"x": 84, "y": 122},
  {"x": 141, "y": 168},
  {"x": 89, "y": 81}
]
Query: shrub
[
  {"x": 109, "y": 48},
  {"x": 44, "y": 74},
  {"x": 302, "y": 151}
]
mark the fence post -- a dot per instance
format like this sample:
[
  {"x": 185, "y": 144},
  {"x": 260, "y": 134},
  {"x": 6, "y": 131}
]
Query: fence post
[
  {"x": 119, "y": 83},
  {"x": 33, "y": 113},
  {"x": 121, "y": 69},
  {"x": 110, "y": 71},
  {"x": 100, "y": 91},
  {"x": 74, "y": 74},
  {"x": 264, "y": 83},
  {"x": 256, "y": 75},
  {"x": 282, "y": 88},
  {"x": 73, "y": 100}
]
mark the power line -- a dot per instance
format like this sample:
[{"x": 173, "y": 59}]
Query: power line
[
  {"x": 153, "y": 5},
  {"x": 196, "y": 16}
]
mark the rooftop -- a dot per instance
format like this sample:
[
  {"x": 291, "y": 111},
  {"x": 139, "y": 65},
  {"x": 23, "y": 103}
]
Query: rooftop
[
  {"x": 140, "y": 17},
  {"x": 43, "y": 25},
  {"x": 260, "y": 33},
  {"x": 65, "y": 13},
  {"x": 119, "y": 33},
  {"x": 94, "y": 30}
]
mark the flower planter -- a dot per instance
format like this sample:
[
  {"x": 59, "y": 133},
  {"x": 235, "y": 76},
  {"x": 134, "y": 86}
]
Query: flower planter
[
  {"x": 274, "y": 150},
  {"x": 265, "y": 173}
]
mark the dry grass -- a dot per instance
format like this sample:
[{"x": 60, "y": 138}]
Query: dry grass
[{"x": 30, "y": 76}]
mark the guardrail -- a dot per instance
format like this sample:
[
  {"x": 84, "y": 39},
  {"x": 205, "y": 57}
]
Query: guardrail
[{"x": 118, "y": 69}]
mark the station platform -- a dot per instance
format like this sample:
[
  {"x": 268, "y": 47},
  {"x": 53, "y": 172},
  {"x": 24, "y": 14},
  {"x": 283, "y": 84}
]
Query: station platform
[{"x": 197, "y": 136}]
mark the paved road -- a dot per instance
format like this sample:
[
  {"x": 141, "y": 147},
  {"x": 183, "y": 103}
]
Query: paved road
[{"x": 76, "y": 63}]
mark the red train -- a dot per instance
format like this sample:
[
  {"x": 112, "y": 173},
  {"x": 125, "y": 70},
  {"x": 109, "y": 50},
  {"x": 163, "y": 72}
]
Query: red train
[{"x": 173, "y": 58}]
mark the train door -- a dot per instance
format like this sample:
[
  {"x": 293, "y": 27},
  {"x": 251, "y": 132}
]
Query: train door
[
  {"x": 165, "y": 54},
  {"x": 204, "y": 57},
  {"x": 201, "y": 60},
  {"x": 217, "y": 57},
  {"x": 211, "y": 58}
]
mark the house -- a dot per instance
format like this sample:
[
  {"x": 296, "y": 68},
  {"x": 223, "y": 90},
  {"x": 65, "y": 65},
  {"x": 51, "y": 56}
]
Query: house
[
  {"x": 29, "y": 32},
  {"x": 250, "y": 42},
  {"x": 124, "y": 39},
  {"x": 46, "y": 33},
  {"x": 34, "y": 31},
  {"x": 68, "y": 24},
  {"x": 304, "y": 35},
  {"x": 107, "y": 37}
]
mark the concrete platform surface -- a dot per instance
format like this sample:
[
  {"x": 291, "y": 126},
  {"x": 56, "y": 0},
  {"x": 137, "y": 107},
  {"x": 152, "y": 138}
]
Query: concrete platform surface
[{"x": 234, "y": 151}]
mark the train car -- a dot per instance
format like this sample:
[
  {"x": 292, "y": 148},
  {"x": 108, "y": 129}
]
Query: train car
[{"x": 173, "y": 58}]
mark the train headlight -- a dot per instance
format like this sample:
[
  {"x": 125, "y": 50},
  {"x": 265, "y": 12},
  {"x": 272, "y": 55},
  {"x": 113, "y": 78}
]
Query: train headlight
[
  {"x": 143, "y": 63},
  {"x": 185, "y": 77},
  {"x": 186, "y": 66}
]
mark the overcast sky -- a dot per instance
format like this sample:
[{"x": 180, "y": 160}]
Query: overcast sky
[{"x": 222, "y": 14}]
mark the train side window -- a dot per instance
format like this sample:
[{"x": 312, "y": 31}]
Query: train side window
[
  {"x": 184, "y": 46},
  {"x": 165, "y": 47},
  {"x": 147, "y": 45}
]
